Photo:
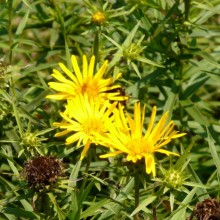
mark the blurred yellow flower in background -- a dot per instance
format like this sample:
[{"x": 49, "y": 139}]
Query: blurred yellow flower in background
[
  {"x": 98, "y": 18},
  {"x": 85, "y": 118},
  {"x": 84, "y": 82},
  {"x": 126, "y": 136}
]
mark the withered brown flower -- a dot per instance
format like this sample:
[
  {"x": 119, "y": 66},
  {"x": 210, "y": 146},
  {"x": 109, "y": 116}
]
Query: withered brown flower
[
  {"x": 209, "y": 209},
  {"x": 42, "y": 172}
]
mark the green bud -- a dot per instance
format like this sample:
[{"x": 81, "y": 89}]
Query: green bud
[
  {"x": 132, "y": 51},
  {"x": 173, "y": 179}
]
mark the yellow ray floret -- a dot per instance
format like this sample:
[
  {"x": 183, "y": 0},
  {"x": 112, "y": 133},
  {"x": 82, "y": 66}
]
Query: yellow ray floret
[
  {"x": 83, "y": 119},
  {"x": 84, "y": 82},
  {"x": 126, "y": 136}
]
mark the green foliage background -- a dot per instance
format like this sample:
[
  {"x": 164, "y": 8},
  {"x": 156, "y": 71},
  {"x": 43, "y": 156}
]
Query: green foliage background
[{"x": 168, "y": 52}]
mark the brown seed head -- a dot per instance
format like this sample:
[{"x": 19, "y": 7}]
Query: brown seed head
[
  {"x": 42, "y": 171},
  {"x": 209, "y": 209}
]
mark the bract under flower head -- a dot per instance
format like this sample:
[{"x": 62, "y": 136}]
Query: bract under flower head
[
  {"x": 84, "y": 82},
  {"x": 85, "y": 118},
  {"x": 126, "y": 136}
]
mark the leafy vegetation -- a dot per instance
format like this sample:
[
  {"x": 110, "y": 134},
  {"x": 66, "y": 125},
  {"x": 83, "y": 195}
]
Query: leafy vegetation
[{"x": 168, "y": 54}]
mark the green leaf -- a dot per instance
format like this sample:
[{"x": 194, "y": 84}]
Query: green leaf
[
  {"x": 194, "y": 112},
  {"x": 209, "y": 58},
  {"x": 94, "y": 208},
  {"x": 136, "y": 69},
  {"x": 183, "y": 158},
  {"x": 114, "y": 207},
  {"x": 20, "y": 212},
  {"x": 22, "y": 24},
  {"x": 60, "y": 213},
  {"x": 143, "y": 204},
  {"x": 126, "y": 43},
  {"x": 180, "y": 213},
  {"x": 213, "y": 150},
  {"x": 74, "y": 174},
  {"x": 150, "y": 62},
  {"x": 191, "y": 89}
]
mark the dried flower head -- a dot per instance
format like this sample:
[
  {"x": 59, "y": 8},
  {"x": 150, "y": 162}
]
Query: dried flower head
[
  {"x": 209, "y": 209},
  {"x": 42, "y": 172}
]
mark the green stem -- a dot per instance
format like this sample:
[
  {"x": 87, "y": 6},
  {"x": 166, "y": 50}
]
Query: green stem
[
  {"x": 15, "y": 109},
  {"x": 45, "y": 204},
  {"x": 88, "y": 162},
  {"x": 187, "y": 9},
  {"x": 96, "y": 47},
  {"x": 10, "y": 33},
  {"x": 63, "y": 28},
  {"x": 137, "y": 193},
  {"x": 12, "y": 87}
]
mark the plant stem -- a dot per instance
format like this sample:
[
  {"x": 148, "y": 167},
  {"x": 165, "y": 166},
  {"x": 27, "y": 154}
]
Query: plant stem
[
  {"x": 136, "y": 191},
  {"x": 12, "y": 87},
  {"x": 10, "y": 37},
  {"x": 88, "y": 162}
]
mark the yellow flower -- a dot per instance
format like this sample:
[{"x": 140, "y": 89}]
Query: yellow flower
[
  {"x": 85, "y": 118},
  {"x": 126, "y": 136},
  {"x": 98, "y": 18},
  {"x": 85, "y": 82}
]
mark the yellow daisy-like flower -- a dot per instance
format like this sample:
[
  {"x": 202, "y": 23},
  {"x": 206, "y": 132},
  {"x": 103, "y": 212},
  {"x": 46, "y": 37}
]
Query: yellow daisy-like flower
[
  {"x": 85, "y": 118},
  {"x": 126, "y": 136},
  {"x": 98, "y": 18},
  {"x": 85, "y": 82}
]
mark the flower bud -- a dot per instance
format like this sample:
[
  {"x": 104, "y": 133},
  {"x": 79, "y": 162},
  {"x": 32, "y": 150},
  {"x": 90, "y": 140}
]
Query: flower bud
[
  {"x": 173, "y": 178},
  {"x": 30, "y": 139},
  {"x": 132, "y": 51},
  {"x": 98, "y": 18}
]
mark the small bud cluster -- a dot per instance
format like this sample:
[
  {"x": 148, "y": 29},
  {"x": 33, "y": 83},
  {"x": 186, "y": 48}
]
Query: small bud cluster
[
  {"x": 173, "y": 179},
  {"x": 132, "y": 51},
  {"x": 30, "y": 139}
]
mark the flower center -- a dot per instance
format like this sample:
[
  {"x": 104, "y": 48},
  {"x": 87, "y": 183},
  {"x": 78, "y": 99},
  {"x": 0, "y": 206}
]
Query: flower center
[
  {"x": 90, "y": 88},
  {"x": 139, "y": 147},
  {"x": 135, "y": 147},
  {"x": 92, "y": 126}
]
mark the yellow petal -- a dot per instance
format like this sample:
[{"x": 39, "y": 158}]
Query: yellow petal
[
  {"x": 168, "y": 153},
  {"x": 68, "y": 73},
  {"x": 85, "y": 67},
  {"x": 61, "y": 133},
  {"x": 155, "y": 134},
  {"x": 85, "y": 149},
  {"x": 150, "y": 164},
  {"x": 74, "y": 137},
  {"x": 101, "y": 71},
  {"x": 179, "y": 135},
  {"x": 57, "y": 75},
  {"x": 91, "y": 67},
  {"x": 58, "y": 96},
  {"x": 151, "y": 123},
  {"x": 77, "y": 70}
]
